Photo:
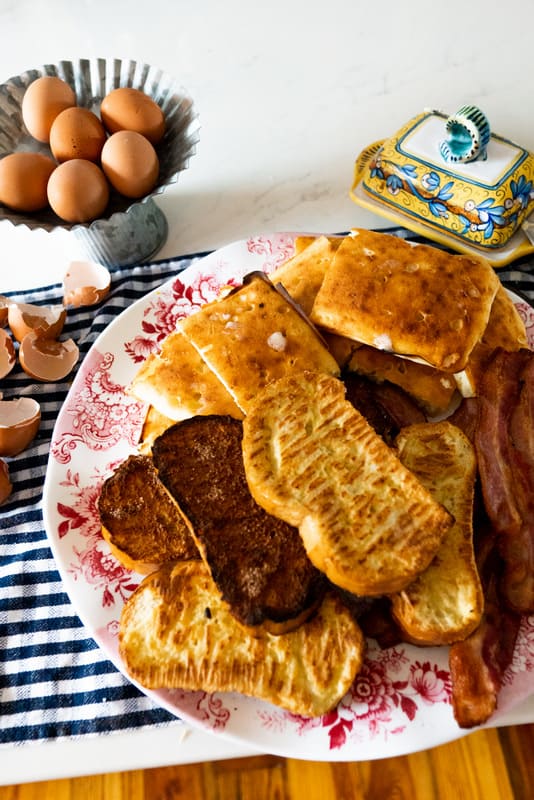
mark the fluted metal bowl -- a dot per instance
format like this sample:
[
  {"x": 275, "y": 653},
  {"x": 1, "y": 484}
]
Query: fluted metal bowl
[{"x": 131, "y": 231}]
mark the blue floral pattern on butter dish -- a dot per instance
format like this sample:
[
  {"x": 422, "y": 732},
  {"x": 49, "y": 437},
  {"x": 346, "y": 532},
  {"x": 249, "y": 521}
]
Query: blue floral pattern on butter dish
[
  {"x": 439, "y": 198},
  {"x": 482, "y": 202}
]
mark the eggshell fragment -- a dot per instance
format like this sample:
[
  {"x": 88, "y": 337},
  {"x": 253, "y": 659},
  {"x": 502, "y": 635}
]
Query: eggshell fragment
[
  {"x": 23, "y": 180},
  {"x": 47, "y": 360},
  {"x": 5, "y": 484},
  {"x": 45, "y": 321},
  {"x": 85, "y": 284},
  {"x": 133, "y": 110},
  {"x": 8, "y": 356},
  {"x": 19, "y": 423},
  {"x": 4, "y": 305},
  {"x": 43, "y": 100},
  {"x": 77, "y": 133},
  {"x": 130, "y": 163},
  {"x": 78, "y": 191}
]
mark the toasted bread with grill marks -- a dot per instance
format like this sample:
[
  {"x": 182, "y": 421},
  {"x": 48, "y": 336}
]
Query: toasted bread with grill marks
[
  {"x": 140, "y": 521},
  {"x": 312, "y": 459},
  {"x": 176, "y": 632},
  {"x": 257, "y": 561},
  {"x": 445, "y": 603}
]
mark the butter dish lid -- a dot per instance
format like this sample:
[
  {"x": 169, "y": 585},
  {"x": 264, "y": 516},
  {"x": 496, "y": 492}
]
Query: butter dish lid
[{"x": 453, "y": 180}]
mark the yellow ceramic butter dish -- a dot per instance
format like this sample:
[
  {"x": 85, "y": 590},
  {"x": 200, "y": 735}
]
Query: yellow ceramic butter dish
[{"x": 454, "y": 181}]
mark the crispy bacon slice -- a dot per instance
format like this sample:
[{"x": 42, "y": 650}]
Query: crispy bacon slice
[
  {"x": 478, "y": 663},
  {"x": 504, "y": 442},
  {"x": 465, "y": 417}
]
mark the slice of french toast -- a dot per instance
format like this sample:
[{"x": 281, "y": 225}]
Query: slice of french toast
[
  {"x": 312, "y": 459},
  {"x": 253, "y": 335},
  {"x": 445, "y": 603},
  {"x": 140, "y": 521},
  {"x": 257, "y": 561},
  {"x": 176, "y": 632},
  {"x": 179, "y": 384}
]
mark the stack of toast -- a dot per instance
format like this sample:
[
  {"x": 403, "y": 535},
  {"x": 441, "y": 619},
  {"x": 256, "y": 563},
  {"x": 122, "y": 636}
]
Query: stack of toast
[{"x": 283, "y": 497}]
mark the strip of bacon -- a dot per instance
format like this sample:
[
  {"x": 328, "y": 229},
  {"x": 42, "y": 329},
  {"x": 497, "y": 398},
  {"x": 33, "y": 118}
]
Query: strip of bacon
[
  {"x": 504, "y": 442},
  {"x": 478, "y": 663}
]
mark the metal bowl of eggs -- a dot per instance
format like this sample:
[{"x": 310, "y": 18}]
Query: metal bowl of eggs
[{"x": 86, "y": 146}]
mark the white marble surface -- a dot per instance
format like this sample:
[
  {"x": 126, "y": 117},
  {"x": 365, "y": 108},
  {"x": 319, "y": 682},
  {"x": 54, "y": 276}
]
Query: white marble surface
[{"x": 288, "y": 93}]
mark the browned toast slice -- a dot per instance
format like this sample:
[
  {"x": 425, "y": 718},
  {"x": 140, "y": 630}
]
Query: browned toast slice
[
  {"x": 312, "y": 459},
  {"x": 505, "y": 329},
  {"x": 445, "y": 603},
  {"x": 154, "y": 425},
  {"x": 254, "y": 335},
  {"x": 416, "y": 301},
  {"x": 432, "y": 389},
  {"x": 257, "y": 561},
  {"x": 176, "y": 632},
  {"x": 179, "y": 384},
  {"x": 302, "y": 275},
  {"x": 140, "y": 521}
]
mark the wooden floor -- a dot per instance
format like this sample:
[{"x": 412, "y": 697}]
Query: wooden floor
[{"x": 487, "y": 765}]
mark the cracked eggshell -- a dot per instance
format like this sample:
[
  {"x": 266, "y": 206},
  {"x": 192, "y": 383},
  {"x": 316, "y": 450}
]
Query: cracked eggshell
[
  {"x": 5, "y": 483},
  {"x": 47, "y": 360},
  {"x": 85, "y": 284},
  {"x": 8, "y": 356},
  {"x": 4, "y": 306},
  {"x": 45, "y": 321},
  {"x": 19, "y": 423}
]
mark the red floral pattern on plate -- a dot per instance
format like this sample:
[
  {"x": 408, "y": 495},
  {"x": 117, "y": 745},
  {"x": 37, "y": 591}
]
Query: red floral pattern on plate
[
  {"x": 163, "y": 313},
  {"x": 398, "y": 694},
  {"x": 91, "y": 559},
  {"x": 99, "y": 413},
  {"x": 388, "y": 683}
]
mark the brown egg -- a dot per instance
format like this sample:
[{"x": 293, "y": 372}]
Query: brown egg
[
  {"x": 43, "y": 100},
  {"x": 19, "y": 423},
  {"x": 77, "y": 133},
  {"x": 130, "y": 163},
  {"x": 78, "y": 191},
  {"x": 127, "y": 109},
  {"x": 23, "y": 180}
]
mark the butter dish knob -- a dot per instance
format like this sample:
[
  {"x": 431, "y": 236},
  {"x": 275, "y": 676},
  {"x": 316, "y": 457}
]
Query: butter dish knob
[{"x": 468, "y": 134}]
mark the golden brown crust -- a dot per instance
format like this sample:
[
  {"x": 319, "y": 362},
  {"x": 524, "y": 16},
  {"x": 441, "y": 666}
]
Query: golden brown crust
[
  {"x": 154, "y": 425},
  {"x": 176, "y": 632},
  {"x": 302, "y": 275},
  {"x": 257, "y": 561},
  {"x": 505, "y": 329},
  {"x": 431, "y": 388},
  {"x": 444, "y": 604},
  {"x": 255, "y": 335},
  {"x": 140, "y": 521},
  {"x": 179, "y": 383},
  {"x": 313, "y": 460},
  {"x": 416, "y": 301}
]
